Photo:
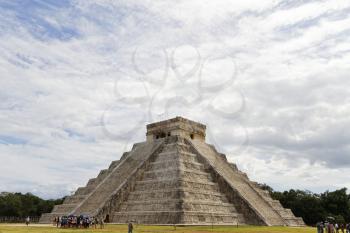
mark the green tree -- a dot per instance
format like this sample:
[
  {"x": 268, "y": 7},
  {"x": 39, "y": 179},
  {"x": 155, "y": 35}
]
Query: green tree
[
  {"x": 22, "y": 205},
  {"x": 337, "y": 203},
  {"x": 315, "y": 207}
]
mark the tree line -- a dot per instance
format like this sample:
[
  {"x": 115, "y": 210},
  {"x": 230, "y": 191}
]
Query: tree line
[
  {"x": 313, "y": 207},
  {"x": 23, "y": 205}
]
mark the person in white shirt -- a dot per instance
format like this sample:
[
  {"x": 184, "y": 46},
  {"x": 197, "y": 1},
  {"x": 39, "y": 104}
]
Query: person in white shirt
[{"x": 27, "y": 220}]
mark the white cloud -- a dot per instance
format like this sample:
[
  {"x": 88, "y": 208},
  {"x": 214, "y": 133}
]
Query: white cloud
[{"x": 72, "y": 97}]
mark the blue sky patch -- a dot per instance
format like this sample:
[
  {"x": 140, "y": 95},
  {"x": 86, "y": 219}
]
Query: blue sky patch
[
  {"x": 35, "y": 17},
  {"x": 10, "y": 140}
]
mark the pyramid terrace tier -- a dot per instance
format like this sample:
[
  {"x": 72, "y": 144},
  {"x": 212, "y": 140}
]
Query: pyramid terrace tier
[
  {"x": 171, "y": 163},
  {"x": 176, "y": 217},
  {"x": 178, "y": 204},
  {"x": 175, "y": 183},
  {"x": 177, "y": 172},
  {"x": 177, "y": 155},
  {"x": 179, "y": 193}
]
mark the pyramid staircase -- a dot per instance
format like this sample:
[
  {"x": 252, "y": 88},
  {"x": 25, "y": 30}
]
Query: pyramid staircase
[
  {"x": 265, "y": 209},
  {"x": 71, "y": 202},
  {"x": 87, "y": 200},
  {"x": 175, "y": 189}
]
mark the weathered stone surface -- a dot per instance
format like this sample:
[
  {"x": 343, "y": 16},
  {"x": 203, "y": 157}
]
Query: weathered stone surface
[{"x": 175, "y": 178}]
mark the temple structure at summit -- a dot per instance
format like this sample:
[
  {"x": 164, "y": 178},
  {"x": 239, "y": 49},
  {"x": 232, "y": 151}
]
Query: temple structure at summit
[{"x": 175, "y": 177}]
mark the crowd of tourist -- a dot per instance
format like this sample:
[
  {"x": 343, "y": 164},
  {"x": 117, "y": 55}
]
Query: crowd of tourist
[
  {"x": 329, "y": 227},
  {"x": 81, "y": 221}
]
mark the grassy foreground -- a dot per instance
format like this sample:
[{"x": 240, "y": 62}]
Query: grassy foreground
[{"x": 19, "y": 228}]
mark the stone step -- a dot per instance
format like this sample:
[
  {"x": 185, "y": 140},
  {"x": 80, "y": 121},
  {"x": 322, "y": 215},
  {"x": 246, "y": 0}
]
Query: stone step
[
  {"x": 138, "y": 157},
  {"x": 183, "y": 201},
  {"x": 84, "y": 190},
  {"x": 183, "y": 164},
  {"x": 215, "y": 218},
  {"x": 175, "y": 183},
  {"x": 46, "y": 218},
  {"x": 164, "y": 170},
  {"x": 63, "y": 208},
  {"x": 102, "y": 174},
  {"x": 80, "y": 191},
  {"x": 176, "y": 152},
  {"x": 177, "y": 172},
  {"x": 174, "y": 155},
  {"x": 176, "y": 146},
  {"x": 161, "y": 174},
  {"x": 299, "y": 222},
  {"x": 177, "y": 193},
  {"x": 175, "y": 217},
  {"x": 264, "y": 193},
  {"x": 258, "y": 202},
  {"x": 275, "y": 204},
  {"x": 74, "y": 199},
  {"x": 176, "y": 204},
  {"x": 241, "y": 219},
  {"x": 239, "y": 182},
  {"x": 91, "y": 182},
  {"x": 295, "y": 221},
  {"x": 49, "y": 217},
  {"x": 113, "y": 164},
  {"x": 286, "y": 213}
]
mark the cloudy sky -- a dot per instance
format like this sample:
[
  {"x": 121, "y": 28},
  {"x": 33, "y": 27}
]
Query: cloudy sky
[{"x": 79, "y": 80}]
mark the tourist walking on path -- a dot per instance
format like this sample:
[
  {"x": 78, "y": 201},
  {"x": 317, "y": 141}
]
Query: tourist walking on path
[
  {"x": 326, "y": 226},
  {"x": 330, "y": 228},
  {"x": 27, "y": 220},
  {"x": 94, "y": 222},
  {"x": 58, "y": 221},
  {"x": 342, "y": 227},
  {"x": 319, "y": 227},
  {"x": 130, "y": 227},
  {"x": 101, "y": 223}
]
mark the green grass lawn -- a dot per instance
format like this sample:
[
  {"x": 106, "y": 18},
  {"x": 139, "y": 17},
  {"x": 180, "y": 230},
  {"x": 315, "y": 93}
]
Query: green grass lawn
[{"x": 13, "y": 228}]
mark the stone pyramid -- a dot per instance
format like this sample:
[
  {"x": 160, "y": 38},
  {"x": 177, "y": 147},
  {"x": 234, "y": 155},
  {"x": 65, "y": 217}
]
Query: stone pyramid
[{"x": 175, "y": 178}]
